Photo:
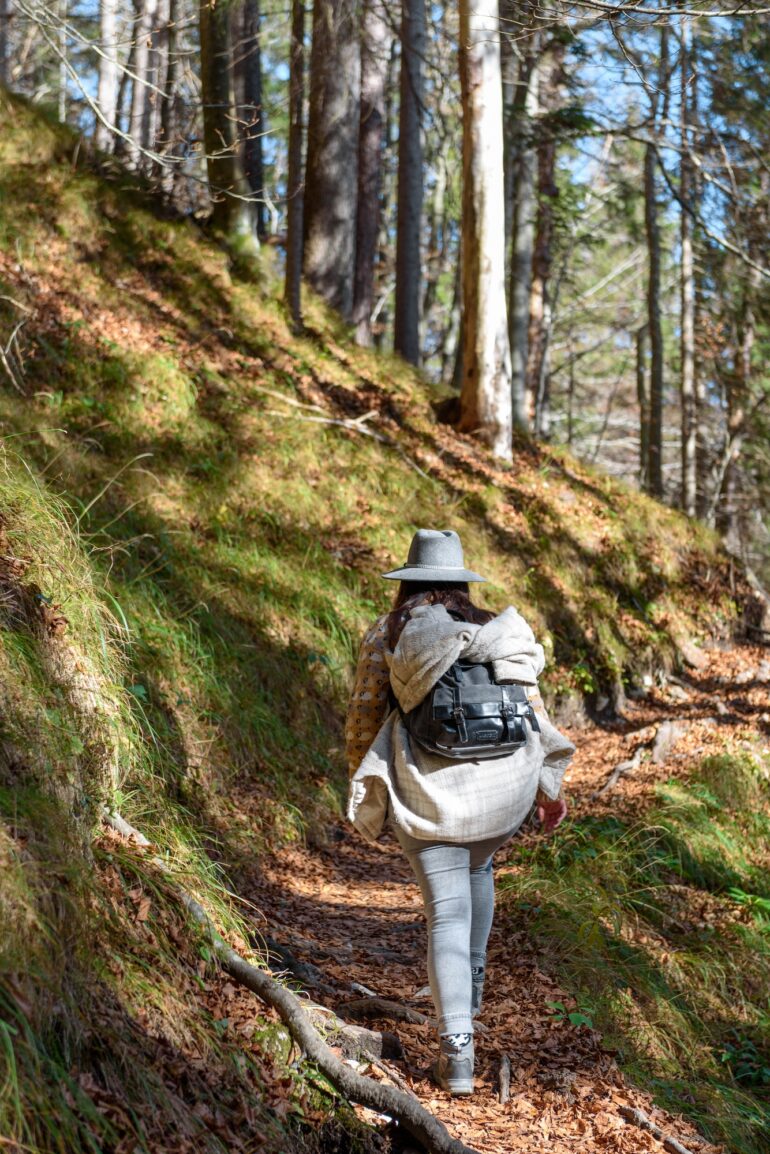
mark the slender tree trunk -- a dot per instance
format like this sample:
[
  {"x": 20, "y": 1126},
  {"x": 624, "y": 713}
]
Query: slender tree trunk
[
  {"x": 295, "y": 189},
  {"x": 660, "y": 101},
  {"x": 61, "y": 37},
  {"x": 540, "y": 306},
  {"x": 644, "y": 405},
  {"x": 231, "y": 210},
  {"x": 251, "y": 114},
  {"x": 437, "y": 248},
  {"x": 123, "y": 112},
  {"x": 406, "y": 337},
  {"x": 107, "y": 94},
  {"x": 5, "y": 30},
  {"x": 168, "y": 112},
  {"x": 738, "y": 385},
  {"x": 689, "y": 416},
  {"x": 376, "y": 40},
  {"x": 386, "y": 278},
  {"x": 331, "y": 181},
  {"x": 143, "y": 27},
  {"x": 485, "y": 400},
  {"x": 524, "y": 164},
  {"x": 655, "y": 446},
  {"x": 151, "y": 117}
]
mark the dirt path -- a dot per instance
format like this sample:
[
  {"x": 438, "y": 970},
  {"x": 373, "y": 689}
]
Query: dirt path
[{"x": 353, "y": 911}]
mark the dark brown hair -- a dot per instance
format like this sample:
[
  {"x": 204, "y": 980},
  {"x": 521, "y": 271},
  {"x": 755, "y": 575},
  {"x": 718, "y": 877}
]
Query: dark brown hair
[{"x": 453, "y": 595}]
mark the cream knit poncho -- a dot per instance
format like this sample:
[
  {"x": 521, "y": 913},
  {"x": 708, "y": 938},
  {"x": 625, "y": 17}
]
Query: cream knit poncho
[{"x": 431, "y": 797}]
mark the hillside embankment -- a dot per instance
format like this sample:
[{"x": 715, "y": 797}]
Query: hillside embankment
[{"x": 195, "y": 507}]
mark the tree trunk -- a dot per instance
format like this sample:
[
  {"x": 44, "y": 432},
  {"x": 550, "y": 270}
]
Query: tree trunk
[
  {"x": 107, "y": 95},
  {"x": 738, "y": 385},
  {"x": 524, "y": 163},
  {"x": 655, "y": 446},
  {"x": 231, "y": 210},
  {"x": 168, "y": 112},
  {"x": 294, "y": 190},
  {"x": 61, "y": 39},
  {"x": 250, "y": 115},
  {"x": 540, "y": 304},
  {"x": 406, "y": 337},
  {"x": 331, "y": 181},
  {"x": 687, "y": 344},
  {"x": 376, "y": 40},
  {"x": 5, "y": 40},
  {"x": 143, "y": 26},
  {"x": 644, "y": 405},
  {"x": 485, "y": 400}
]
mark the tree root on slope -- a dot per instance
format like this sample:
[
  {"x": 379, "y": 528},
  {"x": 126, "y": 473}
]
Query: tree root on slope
[{"x": 395, "y": 1103}]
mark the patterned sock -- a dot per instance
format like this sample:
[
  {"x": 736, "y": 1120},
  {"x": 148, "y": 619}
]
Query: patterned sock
[{"x": 456, "y": 1041}]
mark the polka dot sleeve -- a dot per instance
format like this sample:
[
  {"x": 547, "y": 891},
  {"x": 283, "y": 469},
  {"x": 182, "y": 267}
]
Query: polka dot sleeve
[{"x": 368, "y": 706}]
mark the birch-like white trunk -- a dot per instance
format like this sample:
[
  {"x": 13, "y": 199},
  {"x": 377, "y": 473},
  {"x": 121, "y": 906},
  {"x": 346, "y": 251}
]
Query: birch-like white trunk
[
  {"x": 107, "y": 95},
  {"x": 689, "y": 413},
  {"x": 485, "y": 399}
]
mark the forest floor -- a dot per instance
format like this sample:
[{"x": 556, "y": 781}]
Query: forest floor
[{"x": 353, "y": 911}]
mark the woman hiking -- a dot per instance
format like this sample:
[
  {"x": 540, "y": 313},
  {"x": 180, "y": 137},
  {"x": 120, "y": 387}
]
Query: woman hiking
[{"x": 449, "y": 744}]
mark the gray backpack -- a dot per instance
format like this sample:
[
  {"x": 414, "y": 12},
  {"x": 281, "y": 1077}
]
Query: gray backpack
[{"x": 469, "y": 716}]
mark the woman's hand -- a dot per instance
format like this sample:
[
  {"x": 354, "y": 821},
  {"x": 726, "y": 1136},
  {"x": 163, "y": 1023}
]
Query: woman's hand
[{"x": 550, "y": 812}]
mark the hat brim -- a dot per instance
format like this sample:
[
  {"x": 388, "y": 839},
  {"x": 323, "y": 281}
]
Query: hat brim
[{"x": 429, "y": 573}]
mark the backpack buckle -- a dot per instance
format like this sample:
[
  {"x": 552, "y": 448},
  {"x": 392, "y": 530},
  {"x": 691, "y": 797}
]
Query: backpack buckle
[{"x": 459, "y": 715}]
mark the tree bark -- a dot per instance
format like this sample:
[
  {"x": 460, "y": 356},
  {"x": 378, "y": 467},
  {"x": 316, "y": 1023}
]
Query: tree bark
[
  {"x": 251, "y": 114},
  {"x": 376, "y": 39},
  {"x": 485, "y": 400},
  {"x": 145, "y": 11},
  {"x": 659, "y": 100},
  {"x": 231, "y": 210},
  {"x": 644, "y": 405},
  {"x": 167, "y": 143},
  {"x": 687, "y": 286},
  {"x": 406, "y": 337},
  {"x": 295, "y": 190},
  {"x": 523, "y": 160},
  {"x": 538, "y": 341},
  {"x": 331, "y": 180},
  {"x": 107, "y": 93},
  {"x": 738, "y": 385},
  {"x": 5, "y": 40},
  {"x": 654, "y": 471}
]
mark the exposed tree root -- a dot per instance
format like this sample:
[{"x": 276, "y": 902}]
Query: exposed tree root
[
  {"x": 383, "y": 1008},
  {"x": 387, "y": 1100},
  {"x": 640, "y": 1119}
]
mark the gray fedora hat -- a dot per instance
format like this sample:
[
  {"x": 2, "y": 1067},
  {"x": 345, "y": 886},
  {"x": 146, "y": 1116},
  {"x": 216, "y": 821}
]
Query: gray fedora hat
[{"x": 434, "y": 555}]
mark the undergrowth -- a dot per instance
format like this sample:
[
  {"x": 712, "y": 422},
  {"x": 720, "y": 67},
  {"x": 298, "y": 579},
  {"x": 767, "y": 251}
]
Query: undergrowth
[{"x": 662, "y": 932}]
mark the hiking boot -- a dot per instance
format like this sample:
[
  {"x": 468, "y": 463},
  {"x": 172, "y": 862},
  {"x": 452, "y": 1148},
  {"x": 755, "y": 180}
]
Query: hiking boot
[{"x": 453, "y": 1069}]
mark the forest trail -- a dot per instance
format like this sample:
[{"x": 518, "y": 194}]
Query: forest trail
[{"x": 353, "y": 911}]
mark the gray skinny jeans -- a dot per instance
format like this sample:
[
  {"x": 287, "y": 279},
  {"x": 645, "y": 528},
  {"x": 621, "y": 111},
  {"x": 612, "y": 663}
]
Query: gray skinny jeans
[{"x": 458, "y": 892}]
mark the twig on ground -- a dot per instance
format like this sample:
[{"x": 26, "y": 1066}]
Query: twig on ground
[
  {"x": 640, "y": 1119},
  {"x": 418, "y": 1121},
  {"x": 504, "y": 1079}
]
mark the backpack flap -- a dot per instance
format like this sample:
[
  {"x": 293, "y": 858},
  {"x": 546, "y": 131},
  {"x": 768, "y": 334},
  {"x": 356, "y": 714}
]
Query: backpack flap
[{"x": 462, "y": 718}]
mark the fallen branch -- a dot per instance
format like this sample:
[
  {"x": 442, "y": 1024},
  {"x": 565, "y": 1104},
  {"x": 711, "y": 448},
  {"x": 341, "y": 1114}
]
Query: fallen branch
[
  {"x": 620, "y": 770},
  {"x": 640, "y": 1119},
  {"x": 376, "y": 1096},
  {"x": 504, "y": 1079}
]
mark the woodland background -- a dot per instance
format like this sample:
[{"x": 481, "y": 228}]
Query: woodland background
[
  {"x": 626, "y": 163},
  {"x": 278, "y": 286}
]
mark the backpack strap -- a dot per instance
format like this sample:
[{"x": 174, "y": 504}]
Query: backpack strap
[{"x": 459, "y": 714}]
